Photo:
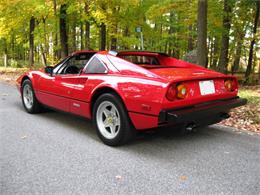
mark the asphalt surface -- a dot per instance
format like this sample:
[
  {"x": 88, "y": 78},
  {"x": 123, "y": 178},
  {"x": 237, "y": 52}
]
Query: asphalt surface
[{"x": 57, "y": 153}]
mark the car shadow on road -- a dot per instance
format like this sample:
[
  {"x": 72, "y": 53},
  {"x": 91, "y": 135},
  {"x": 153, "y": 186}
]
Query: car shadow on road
[
  {"x": 159, "y": 137},
  {"x": 70, "y": 121}
]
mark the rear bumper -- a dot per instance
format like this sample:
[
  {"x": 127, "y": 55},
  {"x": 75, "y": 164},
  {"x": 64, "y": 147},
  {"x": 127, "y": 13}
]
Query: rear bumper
[{"x": 201, "y": 114}]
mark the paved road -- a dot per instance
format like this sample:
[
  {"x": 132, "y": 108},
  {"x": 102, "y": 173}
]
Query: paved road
[{"x": 56, "y": 153}]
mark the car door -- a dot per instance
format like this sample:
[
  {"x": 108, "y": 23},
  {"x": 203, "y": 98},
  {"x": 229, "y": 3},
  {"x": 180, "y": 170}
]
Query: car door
[
  {"x": 82, "y": 87},
  {"x": 57, "y": 89},
  {"x": 54, "y": 90}
]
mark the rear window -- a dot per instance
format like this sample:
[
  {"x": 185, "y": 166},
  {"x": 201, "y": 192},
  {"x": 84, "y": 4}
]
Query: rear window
[{"x": 141, "y": 59}]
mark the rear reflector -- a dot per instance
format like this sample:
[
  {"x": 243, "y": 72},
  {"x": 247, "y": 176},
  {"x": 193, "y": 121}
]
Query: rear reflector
[
  {"x": 230, "y": 85},
  {"x": 181, "y": 91},
  {"x": 171, "y": 93}
]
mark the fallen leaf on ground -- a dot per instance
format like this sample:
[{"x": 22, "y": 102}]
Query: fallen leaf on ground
[
  {"x": 119, "y": 177},
  {"x": 183, "y": 177}
]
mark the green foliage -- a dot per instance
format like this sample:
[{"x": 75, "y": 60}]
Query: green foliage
[{"x": 251, "y": 95}]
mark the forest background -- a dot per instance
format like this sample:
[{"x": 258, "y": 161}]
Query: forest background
[{"x": 219, "y": 34}]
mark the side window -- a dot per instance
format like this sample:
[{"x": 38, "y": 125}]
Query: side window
[
  {"x": 58, "y": 66},
  {"x": 95, "y": 66},
  {"x": 75, "y": 64},
  {"x": 69, "y": 67}
]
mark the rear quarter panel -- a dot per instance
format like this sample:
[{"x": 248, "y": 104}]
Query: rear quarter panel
[
  {"x": 138, "y": 95},
  {"x": 142, "y": 98}
]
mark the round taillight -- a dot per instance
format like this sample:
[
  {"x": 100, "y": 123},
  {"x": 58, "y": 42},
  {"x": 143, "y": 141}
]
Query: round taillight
[
  {"x": 171, "y": 93},
  {"x": 230, "y": 85},
  {"x": 182, "y": 91}
]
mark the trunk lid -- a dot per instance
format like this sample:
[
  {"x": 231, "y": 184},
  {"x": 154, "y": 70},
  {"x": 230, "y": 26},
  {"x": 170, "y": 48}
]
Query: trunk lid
[{"x": 173, "y": 74}]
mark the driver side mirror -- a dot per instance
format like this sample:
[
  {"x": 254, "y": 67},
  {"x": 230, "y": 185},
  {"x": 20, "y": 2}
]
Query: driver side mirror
[{"x": 49, "y": 70}]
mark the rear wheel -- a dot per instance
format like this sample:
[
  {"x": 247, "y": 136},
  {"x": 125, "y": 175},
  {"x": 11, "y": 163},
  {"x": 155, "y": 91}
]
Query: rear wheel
[
  {"x": 111, "y": 120},
  {"x": 30, "y": 102}
]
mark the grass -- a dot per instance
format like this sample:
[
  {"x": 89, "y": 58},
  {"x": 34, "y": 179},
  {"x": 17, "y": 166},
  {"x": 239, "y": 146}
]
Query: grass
[{"x": 252, "y": 94}]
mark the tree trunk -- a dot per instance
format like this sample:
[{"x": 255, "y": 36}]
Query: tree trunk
[
  {"x": 63, "y": 31},
  {"x": 55, "y": 41},
  {"x": 114, "y": 28},
  {"x": 126, "y": 34},
  {"x": 223, "y": 59},
  {"x": 81, "y": 37},
  {"x": 258, "y": 74},
  {"x": 202, "y": 33},
  {"x": 5, "y": 60},
  {"x": 211, "y": 46},
  {"x": 87, "y": 35},
  {"x": 44, "y": 60},
  {"x": 31, "y": 41},
  {"x": 215, "y": 53},
  {"x": 73, "y": 36},
  {"x": 113, "y": 38},
  {"x": 87, "y": 26},
  {"x": 235, "y": 66},
  {"x": 170, "y": 34},
  {"x": 251, "y": 51},
  {"x": 113, "y": 43},
  {"x": 190, "y": 38},
  {"x": 5, "y": 54},
  {"x": 102, "y": 37}
]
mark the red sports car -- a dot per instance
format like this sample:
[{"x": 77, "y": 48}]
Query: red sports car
[{"x": 132, "y": 90}]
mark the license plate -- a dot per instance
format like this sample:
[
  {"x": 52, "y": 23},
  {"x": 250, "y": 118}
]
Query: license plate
[{"x": 207, "y": 87}]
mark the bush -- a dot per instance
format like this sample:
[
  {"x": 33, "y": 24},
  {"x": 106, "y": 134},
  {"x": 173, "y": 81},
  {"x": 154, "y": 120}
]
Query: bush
[{"x": 14, "y": 64}]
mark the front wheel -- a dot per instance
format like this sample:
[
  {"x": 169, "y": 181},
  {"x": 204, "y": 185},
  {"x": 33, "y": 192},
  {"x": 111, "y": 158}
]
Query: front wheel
[
  {"x": 30, "y": 102},
  {"x": 111, "y": 120}
]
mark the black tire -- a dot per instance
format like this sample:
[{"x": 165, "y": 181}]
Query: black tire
[
  {"x": 35, "y": 106},
  {"x": 126, "y": 131}
]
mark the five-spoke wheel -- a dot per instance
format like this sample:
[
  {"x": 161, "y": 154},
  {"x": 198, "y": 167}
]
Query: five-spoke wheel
[
  {"x": 30, "y": 102},
  {"x": 111, "y": 120},
  {"x": 108, "y": 119},
  {"x": 28, "y": 96}
]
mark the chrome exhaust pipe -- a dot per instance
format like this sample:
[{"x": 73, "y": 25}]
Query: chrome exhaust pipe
[{"x": 191, "y": 127}]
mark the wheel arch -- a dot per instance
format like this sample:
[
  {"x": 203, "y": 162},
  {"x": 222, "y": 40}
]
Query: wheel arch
[
  {"x": 29, "y": 76},
  {"x": 21, "y": 81},
  {"x": 102, "y": 90},
  {"x": 25, "y": 77}
]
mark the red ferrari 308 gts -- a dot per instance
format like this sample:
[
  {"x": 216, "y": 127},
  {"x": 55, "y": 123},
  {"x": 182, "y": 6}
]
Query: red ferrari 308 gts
[{"x": 132, "y": 90}]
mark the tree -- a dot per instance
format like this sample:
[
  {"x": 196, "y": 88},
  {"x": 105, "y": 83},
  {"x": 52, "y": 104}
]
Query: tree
[
  {"x": 223, "y": 58},
  {"x": 202, "y": 33},
  {"x": 102, "y": 36},
  {"x": 250, "y": 59},
  {"x": 87, "y": 27},
  {"x": 55, "y": 41},
  {"x": 31, "y": 40},
  {"x": 63, "y": 31},
  {"x": 167, "y": 26}
]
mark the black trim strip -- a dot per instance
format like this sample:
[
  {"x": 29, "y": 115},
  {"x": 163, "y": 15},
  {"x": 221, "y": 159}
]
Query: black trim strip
[
  {"x": 39, "y": 91},
  {"x": 144, "y": 113},
  {"x": 198, "y": 112}
]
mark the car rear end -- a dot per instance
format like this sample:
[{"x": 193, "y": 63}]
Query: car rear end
[{"x": 199, "y": 102}]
